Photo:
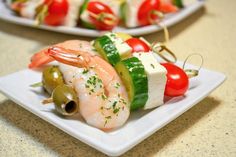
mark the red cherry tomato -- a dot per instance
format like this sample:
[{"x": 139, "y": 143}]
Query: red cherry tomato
[
  {"x": 97, "y": 8},
  {"x": 137, "y": 45},
  {"x": 177, "y": 80},
  {"x": 146, "y": 8},
  {"x": 57, "y": 11}
]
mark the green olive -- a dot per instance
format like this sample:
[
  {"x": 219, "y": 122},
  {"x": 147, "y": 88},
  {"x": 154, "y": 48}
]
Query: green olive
[
  {"x": 65, "y": 100},
  {"x": 52, "y": 77}
]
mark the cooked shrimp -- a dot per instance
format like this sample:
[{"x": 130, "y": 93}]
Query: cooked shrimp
[
  {"x": 40, "y": 58},
  {"x": 102, "y": 96}
]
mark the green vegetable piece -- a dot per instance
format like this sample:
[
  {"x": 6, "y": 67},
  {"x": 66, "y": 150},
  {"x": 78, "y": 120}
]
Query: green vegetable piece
[
  {"x": 65, "y": 100},
  {"x": 84, "y": 23},
  {"x": 52, "y": 77},
  {"x": 87, "y": 25},
  {"x": 133, "y": 75},
  {"x": 107, "y": 49},
  {"x": 84, "y": 6},
  {"x": 122, "y": 11},
  {"x": 178, "y": 3}
]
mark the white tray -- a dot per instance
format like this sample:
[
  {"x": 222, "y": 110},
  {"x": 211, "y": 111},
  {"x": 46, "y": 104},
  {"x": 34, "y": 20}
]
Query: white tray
[
  {"x": 170, "y": 20},
  {"x": 140, "y": 125}
]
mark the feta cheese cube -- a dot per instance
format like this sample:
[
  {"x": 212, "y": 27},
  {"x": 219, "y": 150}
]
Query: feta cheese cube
[{"x": 156, "y": 75}]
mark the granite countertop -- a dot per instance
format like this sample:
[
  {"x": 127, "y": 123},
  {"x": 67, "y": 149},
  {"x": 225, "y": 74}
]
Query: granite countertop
[{"x": 207, "y": 129}]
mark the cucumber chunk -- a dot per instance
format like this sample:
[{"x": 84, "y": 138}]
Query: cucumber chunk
[
  {"x": 178, "y": 3},
  {"x": 107, "y": 49},
  {"x": 133, "y": 75},
  {"x": 112, "y": 47}
]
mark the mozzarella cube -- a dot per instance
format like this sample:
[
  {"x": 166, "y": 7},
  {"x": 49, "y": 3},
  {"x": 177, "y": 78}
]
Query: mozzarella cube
[
  {"x": 123, "y": 48},
  {"x": 73, "y": 13},
  {"x": 29, "y": 8},
  {"x": 156, "y": 75},
  {"x": 131, "y": 12}
]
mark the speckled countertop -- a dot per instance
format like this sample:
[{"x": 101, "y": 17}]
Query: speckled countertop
[{"x": 208, "y": 129}]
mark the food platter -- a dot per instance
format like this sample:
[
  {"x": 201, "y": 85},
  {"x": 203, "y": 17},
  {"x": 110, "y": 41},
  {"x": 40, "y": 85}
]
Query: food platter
[
  {"x": 140, "y": 125},
  {"x": 170, "y": 19}
]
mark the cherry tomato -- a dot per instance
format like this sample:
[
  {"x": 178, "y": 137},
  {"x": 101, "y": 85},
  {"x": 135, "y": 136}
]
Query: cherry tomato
[
  {"x": 137, "y": 45},
  {"x": 57, "y": 11},
  {"x": 97, "y": 8},
  {"x": 146, "y": 8},
  {"x": 177, "y": 80}
]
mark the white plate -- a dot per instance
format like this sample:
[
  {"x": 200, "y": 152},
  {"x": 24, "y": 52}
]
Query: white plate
[
  {"x": 140, "y": 125},
  {"x": 170, "y": 20}
]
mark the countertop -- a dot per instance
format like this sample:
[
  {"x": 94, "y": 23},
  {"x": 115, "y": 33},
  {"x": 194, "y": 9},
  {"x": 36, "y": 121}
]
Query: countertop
[{"x": 207, "y": 129}]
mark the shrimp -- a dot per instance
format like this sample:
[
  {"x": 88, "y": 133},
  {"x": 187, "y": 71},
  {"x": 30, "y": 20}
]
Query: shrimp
[
  {"x": 40, "y": 58},
  {"x": 103, "y": 99}
]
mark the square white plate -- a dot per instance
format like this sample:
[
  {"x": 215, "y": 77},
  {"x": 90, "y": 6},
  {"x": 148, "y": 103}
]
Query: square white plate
[
  {"x": 140, "y": 125},
  {"x": 191, "y": 6}
]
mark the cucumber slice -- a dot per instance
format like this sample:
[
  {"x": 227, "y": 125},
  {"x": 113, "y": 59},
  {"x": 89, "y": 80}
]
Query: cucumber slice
[
  {"x": 133, "y": 75},
  {"x": 112, "y": 48},
  {"x": 178, "y": 3},
  {"x": 107, "y": 49},
  {"x": 122, "y": 11},
  {"x": 84, "y": 6},
  {"x": 85, "y": 23}
]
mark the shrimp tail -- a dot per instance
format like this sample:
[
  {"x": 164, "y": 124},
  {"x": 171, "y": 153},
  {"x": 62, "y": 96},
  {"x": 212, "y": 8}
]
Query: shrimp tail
[
  {"x": 39, "y": 59},
  {"x": 70, "y": 57}
]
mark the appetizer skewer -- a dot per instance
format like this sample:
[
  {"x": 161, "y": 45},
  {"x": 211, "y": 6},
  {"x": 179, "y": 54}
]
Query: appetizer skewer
[
  {"x": 95, "y": 14},
  {"x": 112, "y": 76}
]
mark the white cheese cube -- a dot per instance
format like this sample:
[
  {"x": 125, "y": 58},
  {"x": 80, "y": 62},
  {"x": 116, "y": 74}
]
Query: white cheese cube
[
  {"x": 29, "y": 8},
  {"x": 123, "y": 48},
  {"x": 156, "y": 75},
  {"x": 73, "y": 13},
  {"x": 131, "y": 12}
]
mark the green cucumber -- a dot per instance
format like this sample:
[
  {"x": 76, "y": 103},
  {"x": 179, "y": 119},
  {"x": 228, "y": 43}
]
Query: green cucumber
[
  {"x": 84, "y": 6},
  {"x": 87, "y": 25},
  {"x": 83, "y": 22},
  {"x": 112, "y": 48},
  {"x": 122, "y": 11},
  {"x": 107, "y": 49},
  {"x": 133, "y": 75},
  {"x": 178, "y": 3}
]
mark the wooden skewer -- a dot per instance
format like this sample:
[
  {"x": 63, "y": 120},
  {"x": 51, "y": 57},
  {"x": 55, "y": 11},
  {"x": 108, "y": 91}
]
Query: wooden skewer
[{"x": 106, "y": 18}]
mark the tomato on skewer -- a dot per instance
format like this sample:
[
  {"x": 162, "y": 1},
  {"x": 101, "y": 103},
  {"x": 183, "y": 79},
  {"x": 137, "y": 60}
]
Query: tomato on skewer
[
  {"x": 138, "y": 45},
  {"x": 52, "y": 12},
  {"x": 177, "y": 80},
  {"x": 102, "y": 16},
  {"x": 147, "y": 12},
  {"x": 57, "y": 11}
]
